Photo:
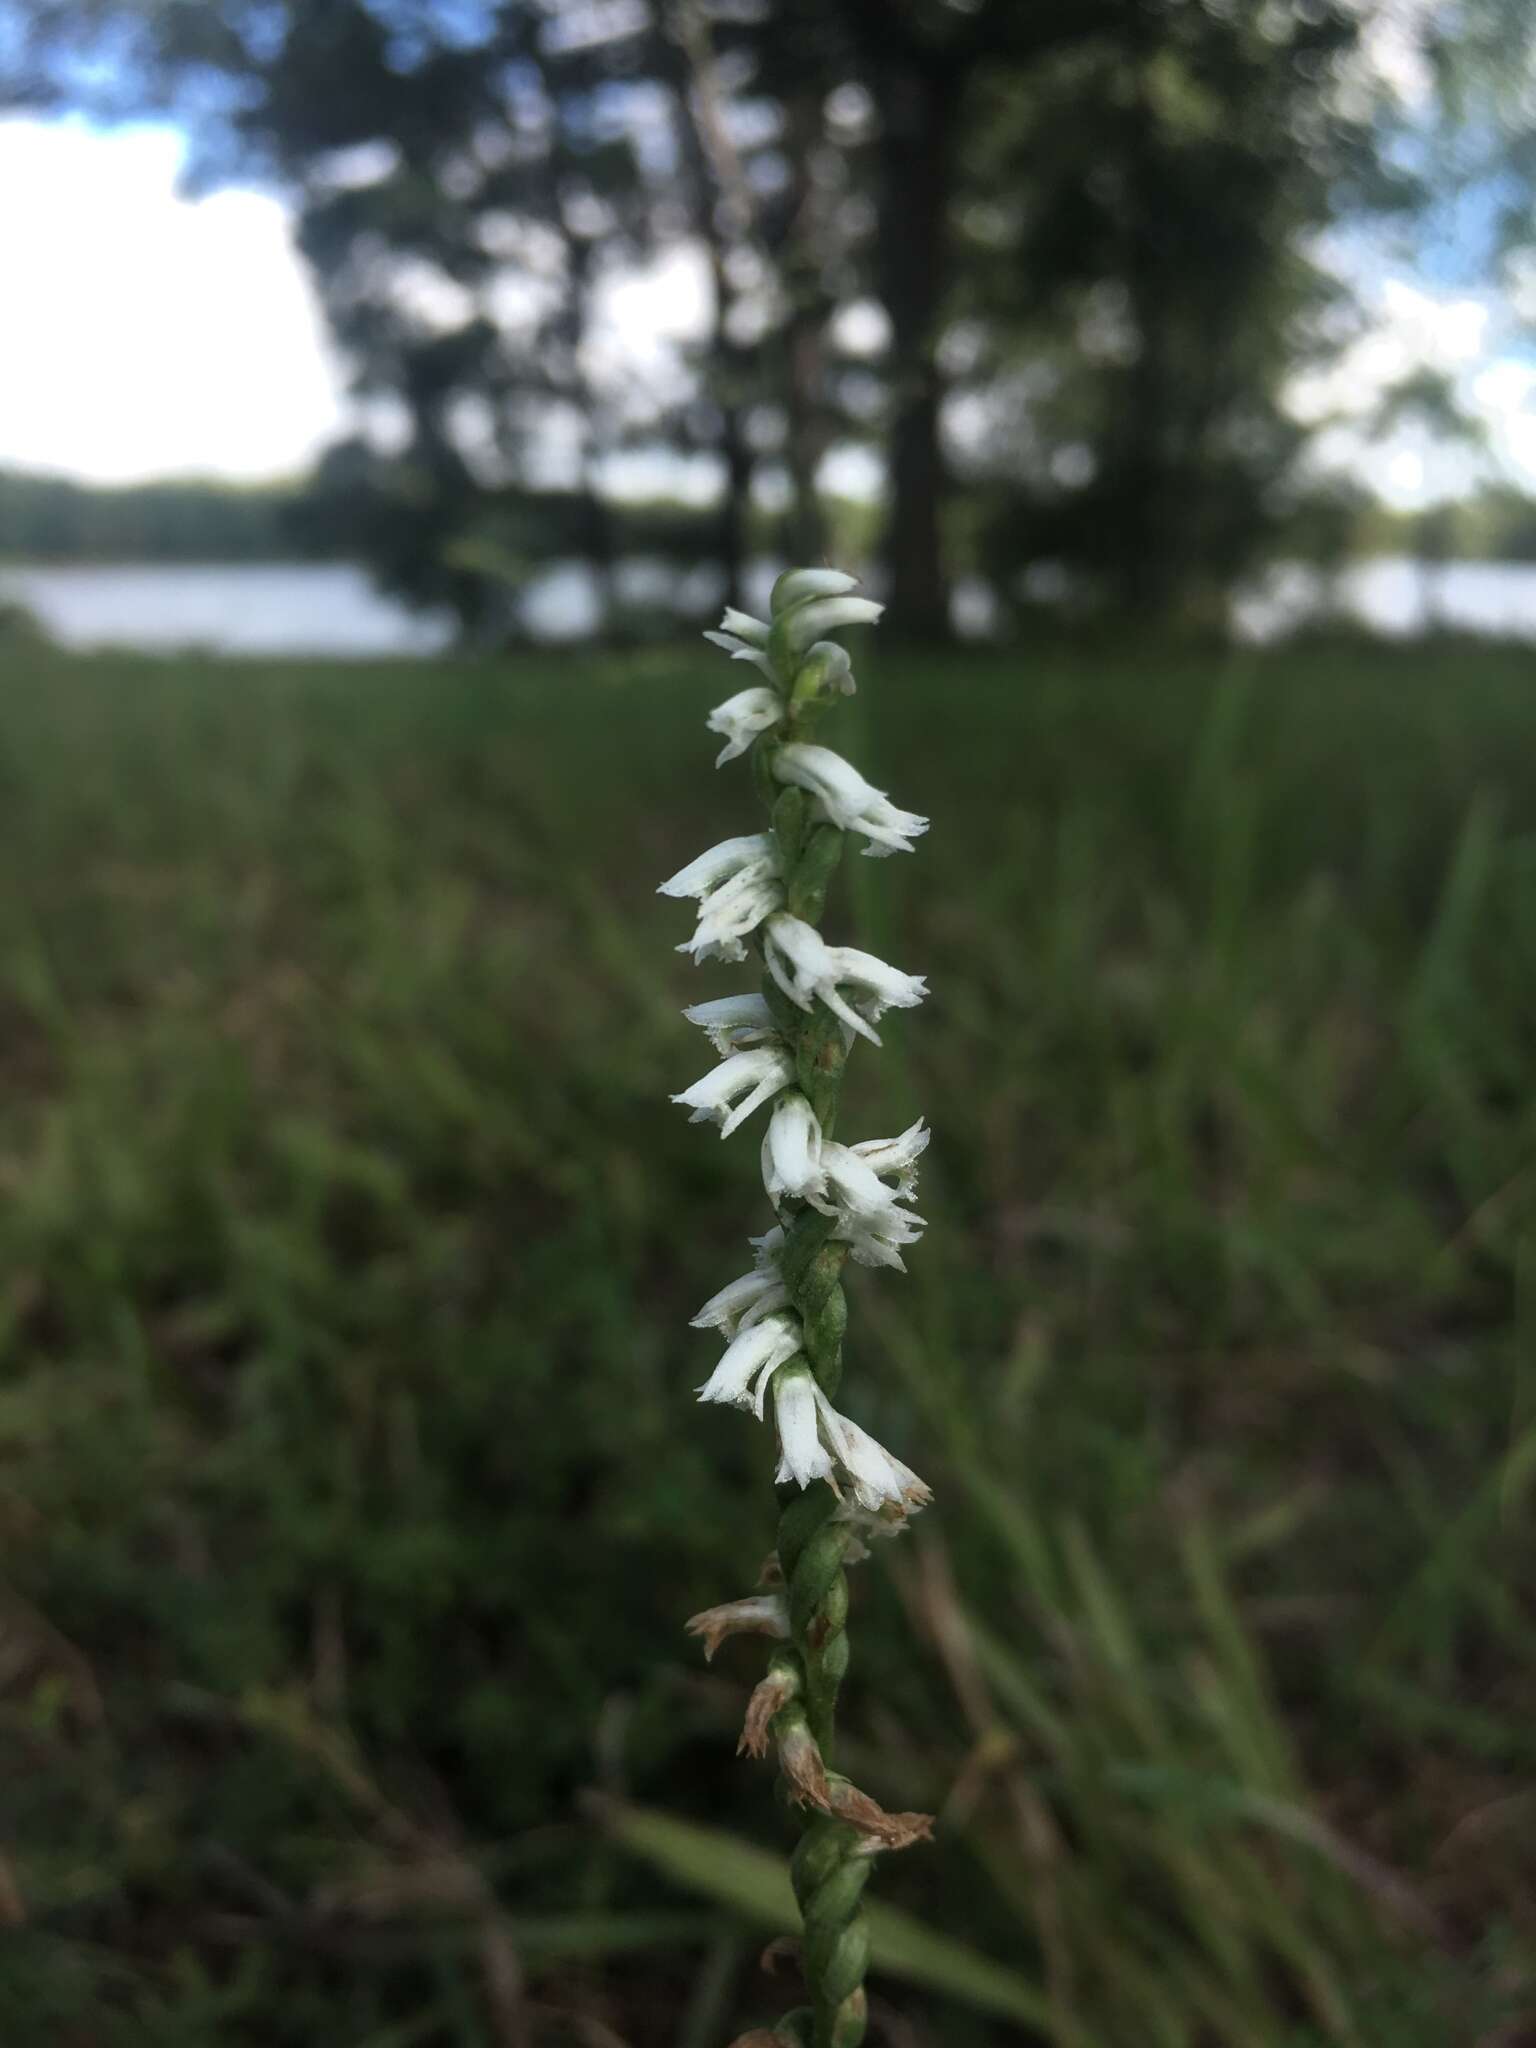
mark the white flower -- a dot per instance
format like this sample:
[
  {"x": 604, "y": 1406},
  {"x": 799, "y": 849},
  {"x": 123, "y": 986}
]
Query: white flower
[
  {"x": 743, "y": 1302},
  {"x": 795, "y": 585},
  {"x": 878, "y": 987},
  {"x": 730, "y": 1022},
  {"x": 896, "y": 1156},
  {"x": 792, "y": 1149},
  {"x": 742, "y": 717},
  {"x": 815, "y": 1442},
  {"x": 867, "y": 1214},
  {"x": 745, "y": 1080},
  {"x": 718, "y": 865},
  {"x": 738, "y": 885},
  {"x": 814, "y": 617},
  {"x": 742, "y": 626},
  {"x": 805, "y": 966},
  {"x": 744, "y": 639},
  {"x": 754, "y": 1355},
  {"x": 847, "y": 799}
]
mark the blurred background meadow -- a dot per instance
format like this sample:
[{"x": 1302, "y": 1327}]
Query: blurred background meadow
[{"x": 393, "y": 389}]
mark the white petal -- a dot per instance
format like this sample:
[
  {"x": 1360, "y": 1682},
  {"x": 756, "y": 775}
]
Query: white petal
[
  {"x": 847, "y": 799},
  {"x": 736, "y": 1299},
  {"x": 741, "y": 718},
  {"x": 745, "y": 627},
  {"x": 802, "y": 1455},
  {"x": 894, "y": 1155},
  {"x": 735, "y": 909},
  {"x": 766, "y": 1345},
  {"x": 745, "y": 1079},
  {"x": 878, "y": 1479},
  {"x": 792, "y": 1149},
  {"x": 812, "y": 617},
  {"x": 886, "y": 987},
  {"x": 795, "y": 585},
  {"x": 718, "y": 864},
  {"x": 730, "y": 1022}
]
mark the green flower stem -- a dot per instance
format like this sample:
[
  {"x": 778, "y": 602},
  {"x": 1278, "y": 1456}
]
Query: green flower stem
[{"x": 829, "y": 1870}]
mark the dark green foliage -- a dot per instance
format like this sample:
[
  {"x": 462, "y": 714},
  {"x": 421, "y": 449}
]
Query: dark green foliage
[
  {"x": 55, "y": 519},
  {"x": 352, "y": 1494}
]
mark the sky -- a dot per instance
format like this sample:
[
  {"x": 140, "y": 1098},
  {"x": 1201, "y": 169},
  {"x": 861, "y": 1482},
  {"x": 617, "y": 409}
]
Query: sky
[{"x": 148, "y": 334}]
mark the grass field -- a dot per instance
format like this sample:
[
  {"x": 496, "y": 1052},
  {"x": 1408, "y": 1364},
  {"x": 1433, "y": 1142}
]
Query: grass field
[{"x": 351, "y": 1490}]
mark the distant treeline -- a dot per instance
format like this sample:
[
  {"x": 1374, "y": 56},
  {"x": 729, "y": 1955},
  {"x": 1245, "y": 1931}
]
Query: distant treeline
[
  {"x": 52, "y": 518},
  {"x": 55, "y": 519}
]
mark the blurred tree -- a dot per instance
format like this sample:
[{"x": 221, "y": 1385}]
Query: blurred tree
[
  {"x": 1147, "y": 287},
  {"x": 1084, "y": 234}
]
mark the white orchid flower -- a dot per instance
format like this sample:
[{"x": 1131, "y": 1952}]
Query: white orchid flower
[
  {"x": 742, "y": 1302},
  {"x": 847, "y": 800},
  {"x": 866, "y": 1214},
  {"x": 792, "y": 1149},
  {"x": 795, "y": 585},
  {"x": 718, "y": 865},
  {"x": 750, "y": 1360},
  {"x": 738, "y": 885},
  {"x": 816, "y": 1442},
  {"x": 805, "y": 967},
  {"x": 744, "y": 639},
  {"x": 729, "y": 1093},
  {"x": 798, "y": 625},
  {"x": 741, "y": 718},
  {"x": 730, "y": 1022}
]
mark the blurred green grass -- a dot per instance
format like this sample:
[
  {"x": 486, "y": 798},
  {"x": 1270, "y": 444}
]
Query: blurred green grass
[{"x": 351, "y": 1494}]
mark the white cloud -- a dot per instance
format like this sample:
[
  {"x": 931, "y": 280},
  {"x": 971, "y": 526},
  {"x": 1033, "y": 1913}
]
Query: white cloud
[{"x": 146, "y": 334}]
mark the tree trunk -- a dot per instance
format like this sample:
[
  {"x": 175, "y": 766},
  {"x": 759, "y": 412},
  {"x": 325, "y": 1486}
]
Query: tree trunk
[{"x": 918, "y": 107}]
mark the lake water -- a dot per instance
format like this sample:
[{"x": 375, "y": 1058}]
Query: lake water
[{"x": 332, "y": 609}]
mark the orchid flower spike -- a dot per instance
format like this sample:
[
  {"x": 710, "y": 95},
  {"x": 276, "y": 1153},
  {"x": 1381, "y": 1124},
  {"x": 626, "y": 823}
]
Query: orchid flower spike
[
  {"x": 729, "y": 1093},
  {"x": 847, "y": 800},
  {"x": 782, "y": 1323}
]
